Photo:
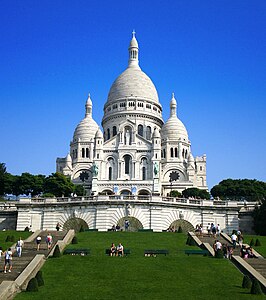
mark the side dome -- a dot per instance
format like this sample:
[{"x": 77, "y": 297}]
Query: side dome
[
  {"x": 174, "y": 129},
  {"x": 87, "y": 128}
]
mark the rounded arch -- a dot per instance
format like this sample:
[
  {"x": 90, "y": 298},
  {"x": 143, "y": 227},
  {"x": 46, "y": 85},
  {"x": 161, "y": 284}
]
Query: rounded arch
[
  {"x": 144, "y": 192},
  {"x": 75, "y": 223},
  {"x": 134, "y": 223},
  {"x": 125, "y": 192},
  {"x": 106, "y": 192},
  {"x": 185, "y": 225}
]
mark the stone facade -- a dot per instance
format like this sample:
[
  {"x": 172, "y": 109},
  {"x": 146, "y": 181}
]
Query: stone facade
[{"x": 137, "y": 153}]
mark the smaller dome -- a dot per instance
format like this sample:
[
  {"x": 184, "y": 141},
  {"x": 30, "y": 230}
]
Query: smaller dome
[
  {"x": 156, "y": 133},
  {"x": 86, "y": 129},
  {"x": 133, "y": 43},
  {"x": 99, "y": 134}
]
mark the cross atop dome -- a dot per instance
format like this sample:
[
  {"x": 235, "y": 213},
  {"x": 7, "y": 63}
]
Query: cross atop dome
[{"x": 133, "y": 33}]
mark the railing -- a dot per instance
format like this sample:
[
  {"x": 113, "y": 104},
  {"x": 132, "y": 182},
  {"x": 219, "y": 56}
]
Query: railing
[{"x": 144, "y": 198}]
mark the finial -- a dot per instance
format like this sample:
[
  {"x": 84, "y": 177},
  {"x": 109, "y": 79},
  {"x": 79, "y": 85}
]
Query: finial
[
  {"x": 173, "y": 95},
  {"x": 133, "y": 33}
]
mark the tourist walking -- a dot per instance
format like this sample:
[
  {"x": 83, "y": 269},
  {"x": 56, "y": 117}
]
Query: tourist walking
[
  {"x": 38, "y": 242},
  {"x": 8, "y": 260},
  {"x": 234, "y": 238},
  {"x": 49, "y": 241},
  {"x": 57, "y": 226},
  {"x": 19, "y": 246}
]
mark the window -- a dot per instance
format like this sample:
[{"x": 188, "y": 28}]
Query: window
[
  {"x": 148, "y": 133},
  {"x": 127, "y": 162},
  {"x": 172, "y": 152},
  {"x": 108, "y": 134},
  {"x": 176, "y": 152},
  {"x": 143, "y": 173},
  {"x": 110, "y": 173},
  {"x": 114, "y": 131},
  {"x": 140, "y": 129},
  {"x": 87, "y": 152},
  {"x": 83, "y": 152}
]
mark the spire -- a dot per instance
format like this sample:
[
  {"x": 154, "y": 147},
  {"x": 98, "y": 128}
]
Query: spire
[
  {"x": 133, "y": 51},
  {"x": 88, "y": 106},
  {"x": 173, "y": 106}
]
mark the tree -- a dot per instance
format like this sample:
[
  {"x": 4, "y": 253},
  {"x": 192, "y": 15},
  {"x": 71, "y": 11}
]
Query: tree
[
  {"x": 58, "y": 184},
  {"x": 79, "y": 190},
  {"x": 2, "y": 178},
  {"x": 175, "y": 193},
  {"x": 259, "y": 216},
  {"x": 240, "y": 189},
  {"x": 196, "y": 193}
]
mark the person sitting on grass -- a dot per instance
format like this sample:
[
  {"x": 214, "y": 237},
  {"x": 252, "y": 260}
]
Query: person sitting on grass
[
  {"x": 120, "y": 250},
  {"x": 113, "y": 250}
]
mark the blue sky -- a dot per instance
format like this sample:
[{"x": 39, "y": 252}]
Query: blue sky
[{"x": 210, "y": 53}]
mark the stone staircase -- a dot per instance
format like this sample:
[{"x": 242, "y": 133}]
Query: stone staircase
[{"x": 29, "y": 251}]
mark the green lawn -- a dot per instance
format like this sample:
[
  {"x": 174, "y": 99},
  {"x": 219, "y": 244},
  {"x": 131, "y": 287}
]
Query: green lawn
[
  {"x": 261, "y": 249},
  {"x": 15, "y": 234},
  {"x": 176, "y": 276}
]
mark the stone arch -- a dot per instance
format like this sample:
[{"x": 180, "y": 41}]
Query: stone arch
[
  {"x": 185, "y": 225},
  {"x": 144, "y": 192},
  {"x": 106, "y": 192},
  {"x": 75, "y": 223},
  {"x": 125, "y": 192},
  {"x": 134, "y": 223}
]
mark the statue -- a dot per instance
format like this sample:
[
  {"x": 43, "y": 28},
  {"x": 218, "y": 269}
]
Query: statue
[
  {"x": 156, "y": 168},
  {"x": 95, "y": 170},
  {"x": 127, "y": 137}
]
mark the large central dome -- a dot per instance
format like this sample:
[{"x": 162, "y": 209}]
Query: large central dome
[{"x": 133, "y": 82}]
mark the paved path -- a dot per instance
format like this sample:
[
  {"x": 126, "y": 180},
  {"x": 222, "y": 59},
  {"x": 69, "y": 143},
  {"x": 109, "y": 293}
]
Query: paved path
[{"x": 28, "y": 253}]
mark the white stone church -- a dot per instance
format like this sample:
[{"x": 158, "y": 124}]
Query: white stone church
[{"x": 136, "y": 153}]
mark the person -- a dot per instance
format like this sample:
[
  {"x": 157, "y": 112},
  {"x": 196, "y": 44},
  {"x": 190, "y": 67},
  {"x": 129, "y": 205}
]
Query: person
[
  {"x": 19, "y": 246},
  {"x": 234, "y": 238},
  {"x": 240, "y": 240},
  {"x": 113, "y": 250},
  {"x": 38, "y": 242},
  {"x": 1, "y": 252},
  {"x": 8, "y": 260},
  {"x": 230, "y": 252},
  {"x": 213, "y": 229},
  {"x": 113, "y": 228},
  {"x": 209, "y": 229},
  {"x": 57, "y": 226},
  {"x": 126, "y": 225},
  {"x": 218, "y": 229},
  {"x": 49, "y": 241},
  {"x": 120, "y": 250}
]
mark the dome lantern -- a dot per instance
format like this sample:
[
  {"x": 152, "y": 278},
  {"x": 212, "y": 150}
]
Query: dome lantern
[
  {"x": 173, "y": 105},
  {"x": 88, "y": 106},
  {"x": 133, "y": 50}
]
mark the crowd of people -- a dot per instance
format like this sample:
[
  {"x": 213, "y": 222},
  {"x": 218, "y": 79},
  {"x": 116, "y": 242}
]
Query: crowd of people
[{"x": 116, "y": 250}]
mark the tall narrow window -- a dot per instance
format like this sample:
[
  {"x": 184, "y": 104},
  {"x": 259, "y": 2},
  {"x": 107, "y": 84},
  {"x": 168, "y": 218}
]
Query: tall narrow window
[
  {"x": 114, "y": 131},
  {"x": 140, "y": 129},
  {"x": 87, "y": 152},
  {"x": 143, "y": 173},
  {"x": 175, "y": 152},
  {"x": 83, "y": 152},
  {"x": 110, "y": 173},
  {"x": 108, "y": 134},
  {"x": 127, "y": 162},
  {"x": 164, "y": 153},
  {"x": 148, "y": 133},
  {"x": 172, "y": 152}
]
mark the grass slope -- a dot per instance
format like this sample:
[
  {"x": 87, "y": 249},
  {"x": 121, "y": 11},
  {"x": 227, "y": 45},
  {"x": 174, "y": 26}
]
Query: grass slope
[
  {"x": 16, "y": 234},
  {"x": 175, "y": 276}
]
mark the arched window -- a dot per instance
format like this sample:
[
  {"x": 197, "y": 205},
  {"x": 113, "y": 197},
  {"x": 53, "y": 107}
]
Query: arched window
[
  {"x": 183, "y": 153},
  {"x": 87, "y": 152},
  {"x": 108, "y": 134},
  {"x": 127, "y": 159},
  {"x": 186, "y": 154},
  {"x": 144, "y": 173},
  {"x": 172, "y": 152},
  {"x": 76, "y": 153},
  {"x": 148, "y": 133},
  {"x": 164, "y": 153},
  {"x": 176, "y": 152},
  {"x": 83, "y": 152},
  {"x": 140, "y": 129},
  {"x": 114, "y": 131},
  {"x": 110, "y": 175}
]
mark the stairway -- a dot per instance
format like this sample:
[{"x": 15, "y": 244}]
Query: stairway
[{"x": 29, "y": 251}]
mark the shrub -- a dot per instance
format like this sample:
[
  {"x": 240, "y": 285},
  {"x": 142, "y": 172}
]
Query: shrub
[
  {"x": 179, "y": 229},
  {"x": 74, "y": 240},
  {"x": 256, "y": 288},
  {"x": 246, "y": 283},
  {"x": 257, "y": 243},
  {"x": 251, "y": 242},
  {"x": 192, "y": 242},
  {"x": 81, "y": 228},
  {"x": 12, "y": 239},
  {"x": 57, "y": 252},
  {"x": 8, "y": 238},
  {"x": 39, "y": 278},
  {"x": 188, "y": 240},
  {"x": 32, "y": 285},
  {"x": 27, "y": 229}
]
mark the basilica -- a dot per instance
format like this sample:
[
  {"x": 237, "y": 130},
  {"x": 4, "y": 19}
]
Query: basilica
[{"x": 135, "y": 152}]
